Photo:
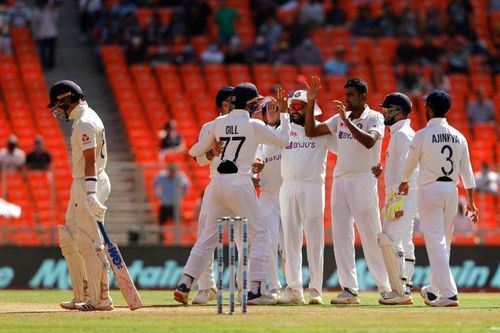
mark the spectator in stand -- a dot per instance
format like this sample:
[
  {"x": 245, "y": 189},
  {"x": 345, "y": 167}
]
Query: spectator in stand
[
  {"x": 44, "y": 27},
  {"x": 108, "y": 31},
  {"x": 260, "y": 51},
  {"x": 123, "y": 8},
  {"x": 170, "y": 186},
  {"x": 434, "y": 23},
  {"x": 460, "y": 16},
  {"x": 409, "y": 21},
  {"x": 458, "y": 58},
  {"x": 283, "y": 55},
  {"x": 20, "y": 14},
  {"x": 39, "y": 158},
  {"x": 136, "y": 50},
  {"x": 482, "y": 110},
  {"x": 271, "y": 30},
  {"x": 212, "y": 55},
  {"x": 429, "y": 52},
  {"x": 336, "y": 16},
  {"x": 171, "y": 142},
  {"x": 363, "y": 23},
  {"x": 387, "y": 23},
  {"x": 494, "y": 61},
  {"x": 312, "y": 13},
  {"x": 462, "y": 223},
  {"x": 12, "y": 158},
  {"x": 156, "y": 30},
  {"x": 487, "y": 180},
  {"x": 225, "y": 17},
  {"x": 176, "y": 27},
  {"x": 130, "y": 28},
  {"x": 234, "y": 54},
  {"x": 196, "y": 14},
  {"x": 477, "y": 46},
  {"x": 262, "y": 10},
  {"x": 410, "y": 82},
  {"x": 438, "y": 80},
  {"x": 88, "y": 10},
  {"x": 406, "y": 53},
  {"x": 307, "y": 53},
  {"x": 5, "y": 22},
  {"x": 337, "y": 64},
  {"x": 297, "y": 32}
]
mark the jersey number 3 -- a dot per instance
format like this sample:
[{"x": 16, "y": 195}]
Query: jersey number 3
[{"x": 448, "y": 151}]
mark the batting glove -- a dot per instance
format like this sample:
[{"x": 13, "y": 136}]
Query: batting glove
[
  {"x": 95, "y": 208},
  {"x": 393, "y": 208}
]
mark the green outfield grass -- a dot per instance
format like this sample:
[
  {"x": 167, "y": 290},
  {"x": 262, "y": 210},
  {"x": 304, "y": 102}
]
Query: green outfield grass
[{"x": 38, "y": 311}]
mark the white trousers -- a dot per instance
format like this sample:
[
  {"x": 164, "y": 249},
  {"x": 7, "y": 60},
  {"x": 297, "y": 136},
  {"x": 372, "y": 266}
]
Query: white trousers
[
  {"x": 302, "y": 212},
  {"x": 270, "y": 207},
  {"x": 437, "y": 206},
  {"x": 356, "y": 200},
  {"x": 232, "y": 195}
]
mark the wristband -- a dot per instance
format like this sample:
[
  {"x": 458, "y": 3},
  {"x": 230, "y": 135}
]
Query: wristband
[{"x": 91, "y": 184}]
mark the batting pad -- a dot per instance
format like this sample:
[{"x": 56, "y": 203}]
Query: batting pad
[
  {"x": 74, "y": 261},
  {"x": 394, "y": 263},
  {"x": 97, "y": 272}
]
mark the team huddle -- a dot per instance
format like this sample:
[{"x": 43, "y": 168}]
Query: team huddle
[{"x": 276, "y": 143}]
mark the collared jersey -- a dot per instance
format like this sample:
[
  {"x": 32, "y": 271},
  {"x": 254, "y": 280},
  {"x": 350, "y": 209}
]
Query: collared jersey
[
  {"x": 270, "y": 176},
  {"x": 87, "y": 132},
  {"x": 241, "y": 136},
  {"x": 442, "y": 151},
  {"x": 304, "y": 159},
  {"x": 397, "y": 151},
  {"x": 354, "y": 159}
]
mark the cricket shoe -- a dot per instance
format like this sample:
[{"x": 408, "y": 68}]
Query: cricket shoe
[
  {"x": 427, "y": 295},
  {"x": 292, "y": 296},
  {"x": 392, "y": 298},
  {"x": 69, "y": 305},
  {"x": 315, "y": 297},
  {"x": 181, "y": 293},
  {"x": 276, "y": 292},
  {"x": 103, "y": 305},
  {"x": 261, "y": 299},
  {"x": 445, "y": 302},
  {"x": 346, "y": 296},
  {"x": 204, "y": 296}
]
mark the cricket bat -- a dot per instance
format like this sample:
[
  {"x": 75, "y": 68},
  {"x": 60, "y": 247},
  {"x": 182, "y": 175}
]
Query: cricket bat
[{"x": 120, "y": 270}]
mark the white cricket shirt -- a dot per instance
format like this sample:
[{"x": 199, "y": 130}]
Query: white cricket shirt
[{"x": 270, "y": 176}]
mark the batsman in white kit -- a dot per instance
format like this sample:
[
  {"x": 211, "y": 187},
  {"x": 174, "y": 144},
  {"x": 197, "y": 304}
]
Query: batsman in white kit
[
  {"x": 396, "y": 239},
  {"x": 443, "y": 156},
  {"x": 354, "y": 197},
  {"x": 80, "y": 240},
  {"x": 231, "y": 188},
  {"x": 302, "y": 199}
]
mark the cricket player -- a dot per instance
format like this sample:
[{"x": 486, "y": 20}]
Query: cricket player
[
  {"x": 397, "y": 231},
  {"x": 80, "y": 241},
  {"x": 359, "y": 132},
  {"x": 443, "y": 156},
  {"x": 302, "y": 199},
  {"x": 267, "y": 169},
  {"x": 231, "y": 188}
]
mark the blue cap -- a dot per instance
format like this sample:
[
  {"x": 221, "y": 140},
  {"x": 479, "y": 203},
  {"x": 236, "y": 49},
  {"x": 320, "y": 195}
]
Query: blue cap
[
  {"x": 245, "y": 93},
  {"x": 439, "y": 100},
  {"x": 397, "y": 99},
  {"x": 222, "y": 95}
]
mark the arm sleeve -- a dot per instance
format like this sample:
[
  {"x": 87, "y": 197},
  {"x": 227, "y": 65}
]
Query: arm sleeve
[
  {"x": 332, "y": 123},
  {"x": 86, "y": 136},
  {"x": 414, "y": 154},
  {"x": 466, "y": 172},
  {"x": 376, "y": 124},
  {"x": 402, "y": 149},
  {"x": 204, "y": 143},
  {"x": 260, "y": 152},
  {"x": 279, "y": 137},
  {"x": 202, "y": 160}
]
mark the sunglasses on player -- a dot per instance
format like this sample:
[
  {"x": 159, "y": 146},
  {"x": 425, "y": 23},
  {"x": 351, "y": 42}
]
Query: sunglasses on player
[{"x": 297, "y": 106}]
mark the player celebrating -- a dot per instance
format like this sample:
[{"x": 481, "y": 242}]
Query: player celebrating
[
  {"x": 302, "y": 198},
  {"x": 359, "y": 133},
  {"x": 443, "y": 155},
  {"x": 231, "y": 188},
  {"x": 396, "y": 239},
  {"x": 80, "y": 241}
]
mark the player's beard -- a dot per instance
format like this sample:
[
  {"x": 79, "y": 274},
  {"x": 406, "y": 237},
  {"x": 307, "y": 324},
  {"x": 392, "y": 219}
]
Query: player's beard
[{"x": 299, "y": 119}]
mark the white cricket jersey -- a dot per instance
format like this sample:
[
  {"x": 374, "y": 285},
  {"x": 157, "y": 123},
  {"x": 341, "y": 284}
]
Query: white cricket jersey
[
  {"x": 87, "y": 132},
  {"x": 304, "y": 159},
  {"x": 354, "y": 159},
  {"x": 442, "y": 151},
  {"x": 241, "y": 136},
  {"x": 270, "y": 177},
  {"x": 397, "y": 151}
]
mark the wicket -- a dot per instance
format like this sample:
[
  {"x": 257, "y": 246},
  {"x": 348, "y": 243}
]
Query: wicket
[{"x": 232, "y": 258}]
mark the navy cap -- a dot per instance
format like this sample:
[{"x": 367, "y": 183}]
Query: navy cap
[
  {"x": 222, "y": 95},
  {"x": 397, "y": 99},
  {"x": 439, "y": 100},
  {"x": 62, "y": 89},
  {"x": 245, "y": 93}
]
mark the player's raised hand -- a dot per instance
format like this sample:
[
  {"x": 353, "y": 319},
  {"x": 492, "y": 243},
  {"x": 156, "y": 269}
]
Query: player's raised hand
[
  {"x": 341, "y": 109},
  {"x": 272, "y": 112},
  {"x": 313, "y": 89},
  {"x": 282, "y": 100}
]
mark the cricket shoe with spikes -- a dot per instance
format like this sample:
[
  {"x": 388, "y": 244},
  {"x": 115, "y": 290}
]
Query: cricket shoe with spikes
[
  {"x": 181, "y": 294},
  {"x": 69, "y": 305},
  {"x": 204, "y": 296},
  {"x": 103, "y": 305}
]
